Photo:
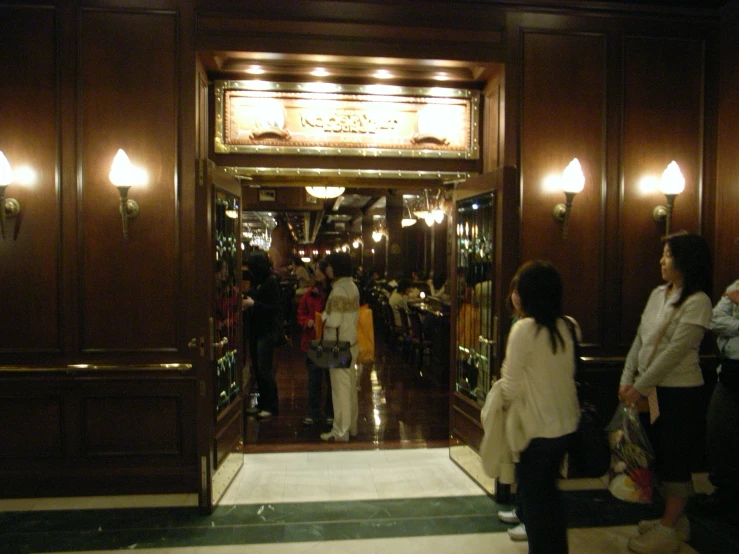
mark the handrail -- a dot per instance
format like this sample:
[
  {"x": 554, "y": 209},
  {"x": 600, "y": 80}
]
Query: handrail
[{"x": 74, "y": 368}]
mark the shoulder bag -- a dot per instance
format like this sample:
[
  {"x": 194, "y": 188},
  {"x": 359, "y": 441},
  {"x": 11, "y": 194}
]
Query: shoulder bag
[
  {"x": 329, "y": 354},
  {"x": 589, "y": 451}
]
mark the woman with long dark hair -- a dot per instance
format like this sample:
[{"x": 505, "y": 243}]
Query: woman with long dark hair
[
  {"x": 539, "y": 373},
  {"x": 263, "y": 310},
  {"x": 663, "y": 365}
]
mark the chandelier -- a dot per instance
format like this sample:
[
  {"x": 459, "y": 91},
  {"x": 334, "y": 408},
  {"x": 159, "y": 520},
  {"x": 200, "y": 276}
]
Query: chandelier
[{"x": 325, "y": 192}]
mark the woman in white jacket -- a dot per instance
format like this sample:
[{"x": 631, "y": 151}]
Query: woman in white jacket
[
  {"x": 538, "y": 374},
  {"x": 342, "y": 313}
]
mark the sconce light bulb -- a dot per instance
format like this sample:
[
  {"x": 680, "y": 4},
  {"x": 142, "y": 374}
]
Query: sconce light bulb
[
  {"x": 6, "y": 174},
  {"x": 672, "y": 181},
  {"x": 123, "y": 173},
  {"x": 376, "y": 236},
  {"x": 438, "y": 215},
  {"x": 573, "y": 179}
]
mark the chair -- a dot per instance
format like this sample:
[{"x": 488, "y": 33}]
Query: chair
[
  {"x": 421, "y": 346},
  {"x": 392, "y": 331},
  {"x": 407, "y": 345}
]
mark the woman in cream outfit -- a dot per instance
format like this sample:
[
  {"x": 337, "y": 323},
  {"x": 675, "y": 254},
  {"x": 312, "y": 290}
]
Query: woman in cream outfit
[{"x": 342, "y": 313}]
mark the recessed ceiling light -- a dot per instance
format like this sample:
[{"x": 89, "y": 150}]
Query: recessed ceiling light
[
  {"x": 319, "y": 72},
  {"x": 442, "y": 76},
  {"x": 383, "y": 74},
  {"x": 255, "y": 70}
]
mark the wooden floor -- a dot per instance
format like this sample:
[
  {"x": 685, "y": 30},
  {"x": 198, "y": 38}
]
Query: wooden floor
[{"x": 398, "y": 408}]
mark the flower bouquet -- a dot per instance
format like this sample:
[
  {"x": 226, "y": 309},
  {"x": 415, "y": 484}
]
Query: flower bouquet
[{"x": 630, "y": 476}]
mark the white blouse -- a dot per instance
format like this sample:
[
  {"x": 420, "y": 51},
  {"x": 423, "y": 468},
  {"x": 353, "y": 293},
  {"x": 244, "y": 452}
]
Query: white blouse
[{"x": 542, "y": 379}]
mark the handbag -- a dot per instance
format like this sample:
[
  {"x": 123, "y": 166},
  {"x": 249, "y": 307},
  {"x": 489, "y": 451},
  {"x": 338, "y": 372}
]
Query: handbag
[
  {"x": 329, "y": 354},
  {"x": 589, "y": 451}
]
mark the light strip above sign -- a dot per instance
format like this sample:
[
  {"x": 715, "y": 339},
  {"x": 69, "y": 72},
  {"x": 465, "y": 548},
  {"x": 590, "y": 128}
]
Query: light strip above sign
[{"x": 351, "y": 120}]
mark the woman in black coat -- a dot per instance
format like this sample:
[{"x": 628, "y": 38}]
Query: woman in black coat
[{"x": 263, "y": 310}]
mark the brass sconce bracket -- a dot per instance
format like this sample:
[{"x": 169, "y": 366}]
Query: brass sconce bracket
[
  {"x": 664, "y": 213},
  {"x": 561, "y": 212},
  {"x": 9, "y": 207},
  {"x": 129, "y": 209}
]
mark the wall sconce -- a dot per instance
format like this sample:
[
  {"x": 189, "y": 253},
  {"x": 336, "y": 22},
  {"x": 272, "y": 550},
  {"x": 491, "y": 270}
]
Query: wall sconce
[
  {"x": 671, "y": 184},
  {"x": 124, "y": 175},
  {"x": 9, "y": 207},
  {"x": 573, "y": 181}
]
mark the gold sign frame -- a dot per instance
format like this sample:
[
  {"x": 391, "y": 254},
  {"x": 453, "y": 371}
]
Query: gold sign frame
[{"x": 345, "y": 120}]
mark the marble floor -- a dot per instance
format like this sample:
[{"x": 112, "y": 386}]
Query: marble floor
[{"x": 384, "y": 501}]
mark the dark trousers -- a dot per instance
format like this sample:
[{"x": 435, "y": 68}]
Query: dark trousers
[
  {"x": 262, "y": 349},
  {"x": 541, "y": 501},
  {"x": 316, "y": 378},
  {"x": 722, "y": 440}
]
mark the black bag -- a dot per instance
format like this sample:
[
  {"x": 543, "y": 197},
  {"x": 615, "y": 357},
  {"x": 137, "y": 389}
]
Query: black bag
[
  {"x": 328, "y": 354},
  {"x": 589, "y": 451}
]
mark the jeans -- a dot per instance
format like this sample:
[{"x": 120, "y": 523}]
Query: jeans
[
  {"x": 262, "y": 349},
  {"x": 316, "y": 377},
  {"x": 543, "y": 510}
]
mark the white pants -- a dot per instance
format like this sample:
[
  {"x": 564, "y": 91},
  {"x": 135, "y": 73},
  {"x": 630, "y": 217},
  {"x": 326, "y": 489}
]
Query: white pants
[{"x": 344, "y": 395}]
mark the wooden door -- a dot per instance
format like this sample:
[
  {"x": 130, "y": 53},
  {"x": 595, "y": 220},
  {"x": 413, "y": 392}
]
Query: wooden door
[
  {"x": 222, "y": 380},
  {"x": 485, "y": 258}
]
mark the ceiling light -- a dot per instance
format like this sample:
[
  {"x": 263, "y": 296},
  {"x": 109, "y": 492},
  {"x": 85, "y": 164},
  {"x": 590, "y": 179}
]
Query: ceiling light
[
  {"x": 325, "y": 192},
  {"x": 319, "y": 72},
  {"x": 408, "y": 220},
  {"x": 255, "y": 70},
  {"x": 383, "y": 74}
]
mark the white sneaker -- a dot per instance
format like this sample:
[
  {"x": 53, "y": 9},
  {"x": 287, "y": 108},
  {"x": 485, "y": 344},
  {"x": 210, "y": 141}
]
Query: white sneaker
[
  {"x": 682, "y": 527},
  {"x": 658, "y": 540},
  {"x": 508, "y": 516},
  {"x": 518, "y": 533}
]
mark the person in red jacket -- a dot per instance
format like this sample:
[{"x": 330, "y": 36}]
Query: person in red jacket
[{"x": 313, "y": 301}]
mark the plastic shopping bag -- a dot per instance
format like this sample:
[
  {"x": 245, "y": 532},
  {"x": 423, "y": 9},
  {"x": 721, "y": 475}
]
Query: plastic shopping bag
[{"x": 632, "y": 456}]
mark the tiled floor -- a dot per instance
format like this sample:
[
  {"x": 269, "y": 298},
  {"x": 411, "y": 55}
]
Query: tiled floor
[{"x": 385, "y": 501}]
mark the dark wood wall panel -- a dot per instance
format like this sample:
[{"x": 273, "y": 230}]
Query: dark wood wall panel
[
  {"x": 727, "y": 200},
  {"x": 98, "y": 433},
  {"x": 128, "y": 99},
  {"x": 29, "y": 252},
  {"x": 563, "y": 117},
  {"x": 662, "y": 114},
  {"x": 131, "y": 425},
  {"x": 40, "y": 418}
]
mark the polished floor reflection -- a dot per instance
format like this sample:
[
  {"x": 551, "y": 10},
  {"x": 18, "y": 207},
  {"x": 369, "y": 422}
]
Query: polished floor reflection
[{"x": 398, "y": 407}]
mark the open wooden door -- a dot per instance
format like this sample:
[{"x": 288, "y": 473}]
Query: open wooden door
[
  {"x": 221, "y": 376},
  {"x": 485, "y": 257}
]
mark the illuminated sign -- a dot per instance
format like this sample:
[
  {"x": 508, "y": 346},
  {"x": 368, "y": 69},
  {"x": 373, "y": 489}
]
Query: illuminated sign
[{"x": 351, "y": 120}]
